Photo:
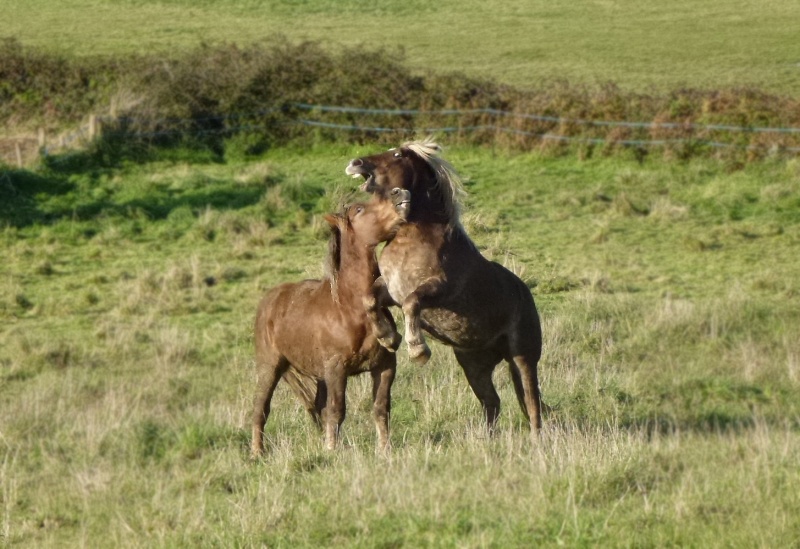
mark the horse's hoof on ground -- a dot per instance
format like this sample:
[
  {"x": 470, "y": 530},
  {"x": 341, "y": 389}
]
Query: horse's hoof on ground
[
  {"x": 419, "y": 353},
  {"x": 384, "y": 450}
]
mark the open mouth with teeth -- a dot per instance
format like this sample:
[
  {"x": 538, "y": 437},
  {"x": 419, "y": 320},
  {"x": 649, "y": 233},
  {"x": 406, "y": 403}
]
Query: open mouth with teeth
[{"x": 360, "y": 172}]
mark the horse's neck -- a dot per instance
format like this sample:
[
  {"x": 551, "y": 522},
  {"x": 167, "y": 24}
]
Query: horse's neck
[
  {"x": 433, "y": 233},
  {"x": 357, "y": 272},
  {"x": 428, "y": 243},
  {"x": 429, "y": 203},
  {"x": 457, "y": 236},
  {"x": 427, "y": 216}
]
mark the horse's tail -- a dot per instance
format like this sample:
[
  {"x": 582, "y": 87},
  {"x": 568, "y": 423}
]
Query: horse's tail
[{"x": 307, "y": 389}]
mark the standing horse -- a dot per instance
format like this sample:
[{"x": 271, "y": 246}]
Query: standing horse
[
  {"x": 446, "y": 287},
  {"x": 319, "y": 332}
]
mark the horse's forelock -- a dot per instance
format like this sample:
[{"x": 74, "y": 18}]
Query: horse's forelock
[{"x": 447, "y": 179}]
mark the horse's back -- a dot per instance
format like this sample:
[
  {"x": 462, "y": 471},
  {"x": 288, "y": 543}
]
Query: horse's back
[{"x": 282, "y": 300}]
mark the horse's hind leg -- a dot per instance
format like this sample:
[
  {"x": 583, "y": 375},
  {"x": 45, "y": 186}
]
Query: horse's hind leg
[
  {"x": 320, "y": 401},
  {"x": 478, "y": 367},
  {"x": 310, "y": 392},
  {"x": 382, "y": 379},
  {"x": 335, "y": 407},
  {"x": 526, "y": 385},
  {"x": 518, "y": 389},
  {"x": 269, "y": 371}
]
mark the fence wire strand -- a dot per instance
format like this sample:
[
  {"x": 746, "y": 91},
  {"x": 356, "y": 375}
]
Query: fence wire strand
[{"x": 498, "y": 127}]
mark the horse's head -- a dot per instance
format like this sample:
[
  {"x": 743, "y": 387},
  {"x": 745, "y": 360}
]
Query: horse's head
[
  {"x": 369, "y": 223},
  {"x": 398, "y": 168},
  {"x": 361, "y": 227},
  {"x": 416, "y": 167}
]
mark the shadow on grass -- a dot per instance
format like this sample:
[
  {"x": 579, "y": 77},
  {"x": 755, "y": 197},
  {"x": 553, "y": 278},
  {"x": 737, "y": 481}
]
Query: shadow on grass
[
  {"x": 709, "y": 423},
  {"x": 71, "y": 186},
  {"x": 19, "y": 193},
  {"x": 703, "y": 406}
]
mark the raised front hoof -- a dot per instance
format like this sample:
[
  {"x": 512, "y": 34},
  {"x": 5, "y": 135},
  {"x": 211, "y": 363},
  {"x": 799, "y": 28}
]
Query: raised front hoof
[
  {"x": 419, "y": 353},
  {"x": 390, "y": 343}
]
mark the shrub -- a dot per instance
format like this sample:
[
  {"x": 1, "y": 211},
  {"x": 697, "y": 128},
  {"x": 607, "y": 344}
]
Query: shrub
[{"x": 203, "y": 97}]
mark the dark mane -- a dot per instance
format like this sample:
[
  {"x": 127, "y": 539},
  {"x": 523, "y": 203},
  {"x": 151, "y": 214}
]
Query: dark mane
[{"x": 333, "y": 260}]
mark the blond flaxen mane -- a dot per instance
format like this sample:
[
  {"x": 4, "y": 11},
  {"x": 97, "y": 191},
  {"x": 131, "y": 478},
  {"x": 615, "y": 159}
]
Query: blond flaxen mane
[{"x": 448, "y": 181}]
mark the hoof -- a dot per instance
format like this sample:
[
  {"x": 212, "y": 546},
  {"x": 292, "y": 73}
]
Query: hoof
[
  {"x": 419, "y": 353},
  {"x": 383, "y": 450}
]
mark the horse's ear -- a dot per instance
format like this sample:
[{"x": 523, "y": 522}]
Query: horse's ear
[{"x": 332, "y": 220}]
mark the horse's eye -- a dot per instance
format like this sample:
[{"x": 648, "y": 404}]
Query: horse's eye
[{"x": 398, "y": 154}]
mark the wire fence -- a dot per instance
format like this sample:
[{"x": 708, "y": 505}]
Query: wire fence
[{"x": 545, "y": 127}]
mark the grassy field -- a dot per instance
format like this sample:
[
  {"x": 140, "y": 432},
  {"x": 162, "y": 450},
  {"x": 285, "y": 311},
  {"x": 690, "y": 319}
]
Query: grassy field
[
  {"x": 668, "y": 293},
  {"x": 637, "y": 45},
  {"x": 670, "y": 305}
]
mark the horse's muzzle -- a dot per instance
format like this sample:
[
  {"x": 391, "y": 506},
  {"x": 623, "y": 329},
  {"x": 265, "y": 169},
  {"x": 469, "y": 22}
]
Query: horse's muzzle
[{"x": 356, "y": 168}]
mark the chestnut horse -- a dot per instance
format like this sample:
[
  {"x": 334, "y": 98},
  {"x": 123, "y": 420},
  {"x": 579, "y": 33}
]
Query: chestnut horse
[
  {"x": 319, "y": 332},
  {"x": 445, "y": 286}
]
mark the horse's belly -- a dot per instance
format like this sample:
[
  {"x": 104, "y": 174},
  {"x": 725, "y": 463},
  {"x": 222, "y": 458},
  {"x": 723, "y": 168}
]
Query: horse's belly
[{"x": 458, "y": 330}]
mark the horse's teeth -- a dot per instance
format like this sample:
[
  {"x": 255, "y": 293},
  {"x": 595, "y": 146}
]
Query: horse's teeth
[{"x": 356, "y": 175}]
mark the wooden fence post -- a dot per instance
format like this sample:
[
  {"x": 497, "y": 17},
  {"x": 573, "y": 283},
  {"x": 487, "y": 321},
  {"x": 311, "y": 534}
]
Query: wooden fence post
[
  {"x": 94, "y": 127},
  {"x": 41, "y": 138},
  {"x": 18, "y": 150}
]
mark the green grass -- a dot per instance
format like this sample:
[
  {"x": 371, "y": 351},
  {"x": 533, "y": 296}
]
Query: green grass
[
  {"x": 638, "y": 45},
  {"x": 669, "y": 300}
]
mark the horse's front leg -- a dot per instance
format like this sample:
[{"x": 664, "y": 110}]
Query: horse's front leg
[
  {"x": 335, "y": 408},
  {"x": 382, "y": 378},
  {"x": 381, "y": 322},
  {"x": 417, "y": 300}
]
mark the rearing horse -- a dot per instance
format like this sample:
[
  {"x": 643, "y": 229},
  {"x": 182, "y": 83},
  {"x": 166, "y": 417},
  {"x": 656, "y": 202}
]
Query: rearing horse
[{"x": 446, "y": 287}]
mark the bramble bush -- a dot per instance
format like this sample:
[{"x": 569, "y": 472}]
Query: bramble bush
[{"x": 202, "y": 97}]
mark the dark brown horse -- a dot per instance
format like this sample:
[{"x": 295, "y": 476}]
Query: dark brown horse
[
  {"x": 446, "y": 287},
  {"x": 319, "y": 332}
]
